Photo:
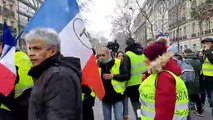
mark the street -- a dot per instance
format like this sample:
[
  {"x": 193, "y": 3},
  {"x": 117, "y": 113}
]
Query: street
[{"x": 99, "y": 115}]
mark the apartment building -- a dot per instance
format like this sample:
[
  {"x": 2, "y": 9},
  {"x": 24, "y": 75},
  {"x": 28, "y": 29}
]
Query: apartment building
[
  {"x": 151, "y": 21},
  {"x": 179, "y": 22},
  {"x": 8, "y": 14},
  {"x": 17, "y": 13},
  {"x": 184, "y": 28}
]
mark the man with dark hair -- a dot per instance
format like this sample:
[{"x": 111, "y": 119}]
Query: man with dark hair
[
  {"x": 135, "y": 64},
  {"x": 207, "y": 67},
  {"x": 193, "y": 86}
]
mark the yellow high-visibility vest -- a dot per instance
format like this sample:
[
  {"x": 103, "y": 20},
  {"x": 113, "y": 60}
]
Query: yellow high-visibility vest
[
  {"x": 147, "y": 91},
  {"x": 207, "y": 67},
  {"x": 25, "y": 81},
  {"x": 137, "y": 68},
  {"x": 118, "y": 86}
]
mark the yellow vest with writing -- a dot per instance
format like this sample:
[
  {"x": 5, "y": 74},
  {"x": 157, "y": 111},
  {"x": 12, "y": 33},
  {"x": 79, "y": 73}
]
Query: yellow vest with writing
[
  {"x": 137, "y": 68},
  {"x": 25, "y": 81},
  {"x": 207, "y": 67},
  {"x": 147, "y": 91}
]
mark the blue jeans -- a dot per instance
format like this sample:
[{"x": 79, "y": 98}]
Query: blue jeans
[{"x": 118, "y": 110}]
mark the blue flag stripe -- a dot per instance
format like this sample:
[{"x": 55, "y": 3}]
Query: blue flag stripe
[
  {"x": 54, "y": 14},
  {"x": 7, "y": 36}
]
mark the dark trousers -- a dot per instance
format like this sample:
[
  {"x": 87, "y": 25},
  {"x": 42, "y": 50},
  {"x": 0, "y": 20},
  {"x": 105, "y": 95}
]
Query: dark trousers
[
  {"x": 134, "y": 94},
  {"x": 88, "y": 113},
  {"x": 5, "y": 115},
  {"x": 202, "y": 90},
  {"x": 196, "y": 98}
]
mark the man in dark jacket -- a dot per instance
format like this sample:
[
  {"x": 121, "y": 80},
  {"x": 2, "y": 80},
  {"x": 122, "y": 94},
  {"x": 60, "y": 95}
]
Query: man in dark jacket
[
  {"x": 193, "y": 86},
  {"x": 207, "y": 68},
  {"x": 135, "y": 64},
  {"x": 56, "y": 94},
  {"x": 114, "y": 75}
]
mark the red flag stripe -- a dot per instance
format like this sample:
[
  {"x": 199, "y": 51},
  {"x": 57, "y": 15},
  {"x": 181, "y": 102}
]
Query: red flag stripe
[
  {"x": 7, "y": 80},
  {"x": 91, "y": 77}
]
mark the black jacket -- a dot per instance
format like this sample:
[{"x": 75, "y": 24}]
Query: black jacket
[
  {"x": 56, "y": 94},
  {"x": 208, "y": 54},
  {"x": 110, "y": 94},
  {"x": 197, "y": 66}
]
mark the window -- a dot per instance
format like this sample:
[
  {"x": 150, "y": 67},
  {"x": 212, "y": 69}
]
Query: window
[
  {"x": 5, "y": 19},
  {"x": 193, "y": 28},
  {"x": 194, "y": 47},
  {"x": 12, "y": 23},
  {"x": 11, "y": 6},
  {"x": 184, "y": 31}
]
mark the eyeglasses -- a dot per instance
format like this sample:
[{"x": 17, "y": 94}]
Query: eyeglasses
[{"x": 101, "y": 55}]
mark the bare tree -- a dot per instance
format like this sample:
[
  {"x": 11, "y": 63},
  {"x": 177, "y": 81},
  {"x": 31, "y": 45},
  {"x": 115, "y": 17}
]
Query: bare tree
[
  {"x": 162, "y": 9},
  {"x": 201, "y": 12},
  {"x": 122, "y": 22},
  {"x": 147, "y": 17},
  {"x": 84, "y": 5}
]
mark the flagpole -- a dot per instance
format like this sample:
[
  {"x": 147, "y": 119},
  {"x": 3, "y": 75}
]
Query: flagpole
[{"x": 19, "y": 35}]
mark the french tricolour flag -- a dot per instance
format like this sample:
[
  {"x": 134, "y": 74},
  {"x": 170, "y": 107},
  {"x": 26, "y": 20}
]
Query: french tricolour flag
[
  {"x": 64, "y": 17},
  {"x": 7, "y": 63}
]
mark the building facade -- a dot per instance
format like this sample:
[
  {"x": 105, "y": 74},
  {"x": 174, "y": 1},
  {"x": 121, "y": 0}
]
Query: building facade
[
  {"x": 151, "y": 21},
  {"x": 17, "y": 13},
  {"x": 184, "y": 28},
  {"x": 8, "y": 14},
  {"x": 180, "y": 21}
]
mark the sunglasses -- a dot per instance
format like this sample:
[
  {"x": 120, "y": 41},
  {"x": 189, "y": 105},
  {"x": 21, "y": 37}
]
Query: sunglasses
[{"x": 101, "y": 55}]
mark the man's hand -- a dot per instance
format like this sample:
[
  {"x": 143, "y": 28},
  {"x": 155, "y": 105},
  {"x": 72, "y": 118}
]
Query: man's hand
[{"x": 108, "y": 76}]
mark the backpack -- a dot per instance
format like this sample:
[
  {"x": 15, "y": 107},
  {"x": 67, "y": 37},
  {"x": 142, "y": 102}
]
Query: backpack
[{"x": 188, "y": 73}]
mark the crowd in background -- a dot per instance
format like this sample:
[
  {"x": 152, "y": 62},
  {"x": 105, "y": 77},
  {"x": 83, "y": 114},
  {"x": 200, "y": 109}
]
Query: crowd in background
[{"x": 161, "y": 82}]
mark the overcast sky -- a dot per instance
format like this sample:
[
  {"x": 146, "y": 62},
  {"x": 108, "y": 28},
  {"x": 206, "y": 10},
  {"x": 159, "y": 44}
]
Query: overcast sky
[{"x": 100, "y": 16}]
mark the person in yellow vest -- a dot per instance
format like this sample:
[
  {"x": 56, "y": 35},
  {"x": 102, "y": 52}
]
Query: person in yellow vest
[
  {"x": 114, "y": 76},
  {"x": 15, "y": 106},
  {"x": 207, "y": 67},
  {"x": 163, "y": 94},
  {"x": 135, "y": 64},
  {"x": 120, "y": 55}
]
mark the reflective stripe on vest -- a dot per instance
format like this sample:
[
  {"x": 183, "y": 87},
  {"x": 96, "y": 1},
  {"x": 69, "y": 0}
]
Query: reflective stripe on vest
[
  {"x": 147, "y": 98},
  {"x": 137, "y": 68},
  {"x": 25, "y": 81},
  {"x": 207, "y": 68},
  {"x": 118, "y": 86}
]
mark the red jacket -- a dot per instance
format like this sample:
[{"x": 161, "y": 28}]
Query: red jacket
[{"x": 165, "y": 96}]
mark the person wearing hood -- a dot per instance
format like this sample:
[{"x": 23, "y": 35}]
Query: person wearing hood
[
  {"x": 193, "y": 87},
  {"x": 56, "y": 94},
  {"x": 135, "y": 63},
  {"x": 163, "y": 94}
]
